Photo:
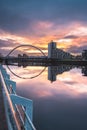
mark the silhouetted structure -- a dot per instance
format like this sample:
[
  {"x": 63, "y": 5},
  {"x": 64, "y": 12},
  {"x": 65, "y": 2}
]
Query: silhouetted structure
[
  {"x": 55, "y": 56},
  {"x": 84, "y": 54},
  {"x": 55, "y": 53}
]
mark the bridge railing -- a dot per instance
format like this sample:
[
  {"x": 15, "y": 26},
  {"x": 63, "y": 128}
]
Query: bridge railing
[{"x": 19, "y": 110}]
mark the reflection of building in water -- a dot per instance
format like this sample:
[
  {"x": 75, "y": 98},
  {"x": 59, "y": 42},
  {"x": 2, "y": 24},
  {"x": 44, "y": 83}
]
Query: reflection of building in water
[
  {"x": 53, "y": 71},
  {"x": 84, "y": 54},
  {"x": 54, "y": 52},
  {"x": 25, "y": 60},
  {"x": 22, "y": 62},
  {"x": 84, "y": 70},
  {"x": 0, "y": 57}
]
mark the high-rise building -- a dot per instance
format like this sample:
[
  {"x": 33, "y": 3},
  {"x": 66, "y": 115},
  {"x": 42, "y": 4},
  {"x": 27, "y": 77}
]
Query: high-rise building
[
  {"x": 51, "y": 49},
  {"x": 56, "y": 53}
]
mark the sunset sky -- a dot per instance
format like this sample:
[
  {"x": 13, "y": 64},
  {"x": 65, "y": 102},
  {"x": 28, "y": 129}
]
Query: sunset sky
[
  {"x": 61, "y": 104},
  {"x": 37, "y": 22}
]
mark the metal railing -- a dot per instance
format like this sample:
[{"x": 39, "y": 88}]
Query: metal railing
[{"x": 18, "y": 109}]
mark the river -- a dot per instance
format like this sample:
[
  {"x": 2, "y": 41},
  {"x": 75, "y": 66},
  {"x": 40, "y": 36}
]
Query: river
[{"x": 59, "y": 97}]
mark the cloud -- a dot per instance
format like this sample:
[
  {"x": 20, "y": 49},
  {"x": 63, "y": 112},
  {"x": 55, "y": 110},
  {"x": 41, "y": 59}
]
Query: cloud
[
  {"x": 6, "y": 46},
  {"x": 19, "y": 16},
  {"x": 70, "y": 37},
  {"x": 70, "y": 82},
  {"x": 6, "y": 43},
  {"x": 39, "y": 22},
  {"x": 76, "y": 49}
]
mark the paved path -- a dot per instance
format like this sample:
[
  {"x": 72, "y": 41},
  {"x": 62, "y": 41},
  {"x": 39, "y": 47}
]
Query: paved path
[{"x": 3, "y": 123}]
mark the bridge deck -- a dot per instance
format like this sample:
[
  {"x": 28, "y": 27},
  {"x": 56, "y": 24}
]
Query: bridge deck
[{"x": 3, "y": 122}]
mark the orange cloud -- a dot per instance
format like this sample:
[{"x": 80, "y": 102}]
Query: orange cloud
[{"x": 45, "y": 31}]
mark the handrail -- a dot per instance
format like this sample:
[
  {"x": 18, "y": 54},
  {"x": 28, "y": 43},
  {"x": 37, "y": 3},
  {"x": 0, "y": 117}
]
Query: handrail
[
  {"x": 27, "y": 117},
  {"x": 9, "y": 103},
  {"x": 29, "y": 121},
  {"x": 9, "y": 91}
]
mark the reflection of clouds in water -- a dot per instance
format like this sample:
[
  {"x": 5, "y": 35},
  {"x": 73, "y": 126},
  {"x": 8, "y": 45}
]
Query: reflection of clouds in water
[
  {"x": 69, "y": 84},
  {"x": 27, "y": 72},
  {"x": 74, "y": 80}
]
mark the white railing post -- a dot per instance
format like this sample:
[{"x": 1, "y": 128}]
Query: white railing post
[{"x": 14, "y": 100}]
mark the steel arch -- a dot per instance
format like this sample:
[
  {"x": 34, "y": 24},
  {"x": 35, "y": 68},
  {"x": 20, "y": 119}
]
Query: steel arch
[
  {"x": 26, "y": 45},
  {"x": 29, "y": 46}
]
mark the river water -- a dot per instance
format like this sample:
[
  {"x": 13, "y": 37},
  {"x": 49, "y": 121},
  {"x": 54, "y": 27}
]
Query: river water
[{"x": 59, "y": 97}]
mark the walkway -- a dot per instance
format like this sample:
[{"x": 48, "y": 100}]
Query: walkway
[{"x": 3, "y": 123}]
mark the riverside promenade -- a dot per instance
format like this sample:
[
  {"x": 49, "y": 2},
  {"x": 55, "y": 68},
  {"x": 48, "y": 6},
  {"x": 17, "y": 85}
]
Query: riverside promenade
[
  {"x": 3, "y": 121},
  {"x": 15, "y": 111}
]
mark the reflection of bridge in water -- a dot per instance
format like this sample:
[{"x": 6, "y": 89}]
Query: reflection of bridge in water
[
  {"x": 57, "y": 60},
  {"x": 55, "y": 67},
  {"x": 40, "y": 61}
]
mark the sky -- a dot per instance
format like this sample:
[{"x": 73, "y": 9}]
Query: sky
[{"x": 37, "y": 22}]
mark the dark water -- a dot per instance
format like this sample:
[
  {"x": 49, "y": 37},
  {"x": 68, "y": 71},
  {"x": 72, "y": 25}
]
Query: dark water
[{"x": 58, "y": 105}]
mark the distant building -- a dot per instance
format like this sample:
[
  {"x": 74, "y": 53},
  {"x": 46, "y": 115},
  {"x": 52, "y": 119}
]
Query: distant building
[
  {"x": 78, "y": 57},
  {"x": 84, "y": 54},
  {"x": 51, "y": 50},
  {"x": 54, "y": 52},
  {"x": 24, "y": 56}
]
